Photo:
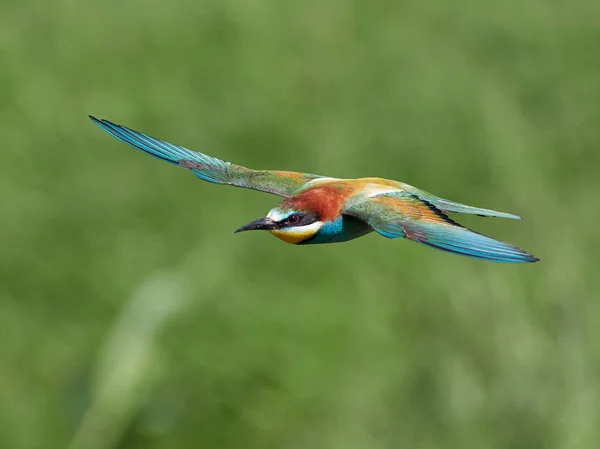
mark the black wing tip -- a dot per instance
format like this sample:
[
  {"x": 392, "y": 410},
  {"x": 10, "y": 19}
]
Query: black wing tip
[
  {"x": 513, "y": 216},
  {"x": 103, "y": 121},
  {"x": 104, "y": 124},
  {"x": 525, "y": 257},
  {"x": 100, "y": 121},
  {"x": 522, "y": 260}
]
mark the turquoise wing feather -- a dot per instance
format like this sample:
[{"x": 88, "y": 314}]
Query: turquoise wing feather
[
  {"x": 208, "y": 168},
  {"x": 452, "y": 206},
  {"x": 405, "y": 215}
]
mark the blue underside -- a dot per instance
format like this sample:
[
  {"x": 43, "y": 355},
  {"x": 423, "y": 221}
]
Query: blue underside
[{"x": 341, "y": 230}]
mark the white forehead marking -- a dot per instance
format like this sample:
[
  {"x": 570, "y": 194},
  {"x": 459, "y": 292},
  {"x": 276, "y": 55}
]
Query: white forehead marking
[{"x": 277, "y": 215}]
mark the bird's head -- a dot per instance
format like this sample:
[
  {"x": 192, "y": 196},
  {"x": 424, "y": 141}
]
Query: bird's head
[{"x": 290, "y": 224}]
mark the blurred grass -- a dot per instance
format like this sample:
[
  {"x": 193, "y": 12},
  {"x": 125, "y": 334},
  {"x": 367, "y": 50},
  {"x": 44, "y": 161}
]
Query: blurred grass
[{"x": 369, "y": 344}]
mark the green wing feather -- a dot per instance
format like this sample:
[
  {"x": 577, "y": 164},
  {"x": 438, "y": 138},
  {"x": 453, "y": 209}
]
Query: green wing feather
[
  {"x": 452, "y": 206},
  {"x": 208, "y": 168},
  {"x": 405, "y": 215}
]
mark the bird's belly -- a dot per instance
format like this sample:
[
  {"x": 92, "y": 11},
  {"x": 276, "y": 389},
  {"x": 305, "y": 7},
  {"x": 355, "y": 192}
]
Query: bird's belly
[{"x": 341, "y": 230}]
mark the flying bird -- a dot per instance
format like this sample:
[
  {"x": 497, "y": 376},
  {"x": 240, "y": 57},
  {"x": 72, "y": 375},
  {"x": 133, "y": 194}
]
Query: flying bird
[{"x": 321, "y": 209}]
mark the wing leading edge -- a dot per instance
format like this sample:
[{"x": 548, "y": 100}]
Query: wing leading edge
[{"x": 208, "y": 168}]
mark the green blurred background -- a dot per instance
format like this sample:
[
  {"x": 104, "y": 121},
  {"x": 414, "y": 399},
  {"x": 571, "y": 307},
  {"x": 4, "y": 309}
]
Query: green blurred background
[{"x": 131, "y": 317}]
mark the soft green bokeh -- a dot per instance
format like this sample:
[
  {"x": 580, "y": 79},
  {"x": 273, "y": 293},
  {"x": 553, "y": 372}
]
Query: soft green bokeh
[{"x": 131, "y": 317}]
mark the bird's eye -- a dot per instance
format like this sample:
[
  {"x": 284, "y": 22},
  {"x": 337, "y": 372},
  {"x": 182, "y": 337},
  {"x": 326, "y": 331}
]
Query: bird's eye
[{"x": 293, "y": 219}]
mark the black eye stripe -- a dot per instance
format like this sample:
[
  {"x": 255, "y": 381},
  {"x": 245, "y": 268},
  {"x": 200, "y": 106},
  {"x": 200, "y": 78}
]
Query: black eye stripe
[{"x": 303, "y": 219}]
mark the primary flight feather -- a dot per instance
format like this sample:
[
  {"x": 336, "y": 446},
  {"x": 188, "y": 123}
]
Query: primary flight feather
[{"x": 320, "y": 209}]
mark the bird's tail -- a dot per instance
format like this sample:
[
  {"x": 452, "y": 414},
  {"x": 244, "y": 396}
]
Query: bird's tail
[
  {"x": 459, "y": 240},
  {"x": 204, "y": 167}
]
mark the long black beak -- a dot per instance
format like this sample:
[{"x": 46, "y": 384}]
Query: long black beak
[{"x": 263, "y": 223}]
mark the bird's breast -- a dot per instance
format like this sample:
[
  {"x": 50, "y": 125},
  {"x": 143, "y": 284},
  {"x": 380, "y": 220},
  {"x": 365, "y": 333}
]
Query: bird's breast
[{"x": 342, "y": 229}]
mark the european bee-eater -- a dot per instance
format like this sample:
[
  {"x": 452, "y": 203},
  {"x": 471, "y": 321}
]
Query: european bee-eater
[{"x": 321, "y": 209}]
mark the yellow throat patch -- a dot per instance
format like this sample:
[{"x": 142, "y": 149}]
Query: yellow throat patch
[{"x": 293, "y": 235}]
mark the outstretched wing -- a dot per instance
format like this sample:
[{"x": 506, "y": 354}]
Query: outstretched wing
[
  {"x": 207, "y": 168},
  {"x": 405, "y": 215},
  {"x": 452, "y": 206}
]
